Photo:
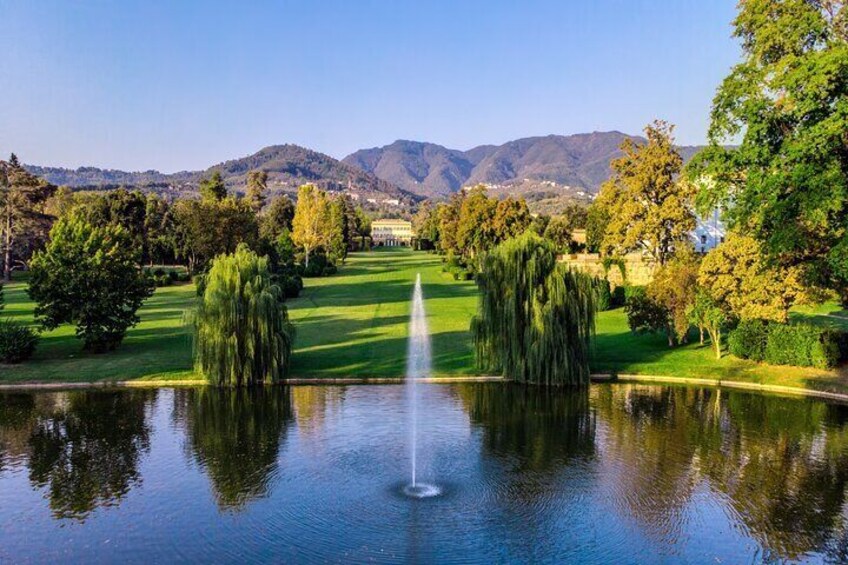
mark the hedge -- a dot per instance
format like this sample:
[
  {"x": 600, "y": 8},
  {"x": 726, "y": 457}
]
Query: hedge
[
  {"x": 17, "y": 342},
  {"x": 801, "y": 345}
]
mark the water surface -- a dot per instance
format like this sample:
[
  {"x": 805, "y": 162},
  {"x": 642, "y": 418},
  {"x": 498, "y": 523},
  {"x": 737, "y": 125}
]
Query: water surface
[{"x": 629, "y": 473}]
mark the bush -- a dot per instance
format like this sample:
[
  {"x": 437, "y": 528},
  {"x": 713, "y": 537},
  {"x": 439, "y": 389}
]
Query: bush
[
  {"x": 17, "y": 342},
  {"x": 619, "y": 296},
  {"x": 319, "y": 266},
  {"x": 749, "y": 340},
  {"x": 603, "y": 296},
  {"x": 634, "y": 290},
  {"x": 162, "y": 280},
  {"x": 645, "y": 315},
  {"x": 290, "y": 285},
  {"x": 800, "y": 345}
]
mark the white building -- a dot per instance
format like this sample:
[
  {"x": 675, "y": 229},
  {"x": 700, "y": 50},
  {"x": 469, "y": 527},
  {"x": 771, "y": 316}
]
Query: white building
[{"x": 708, "y": 233}]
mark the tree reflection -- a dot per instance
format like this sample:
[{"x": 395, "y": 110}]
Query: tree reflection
[
  {"x": 236, "y": 435},
  {"x": 540, "y": 427},
  {"x": 781, "y": 463},
  {"x": 85, "y": 448}
]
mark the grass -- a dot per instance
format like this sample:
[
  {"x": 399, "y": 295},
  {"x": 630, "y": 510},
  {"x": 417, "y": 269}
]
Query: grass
[{"x": 354, "y": 324}]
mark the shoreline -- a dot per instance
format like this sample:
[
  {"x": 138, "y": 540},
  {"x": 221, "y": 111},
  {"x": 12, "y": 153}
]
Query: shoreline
[{"x": 595, "y": 378}]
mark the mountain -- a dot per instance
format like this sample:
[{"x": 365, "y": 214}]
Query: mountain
[
  {"x": 288, "y": 167},
  {"x": 577, "y": 163}
]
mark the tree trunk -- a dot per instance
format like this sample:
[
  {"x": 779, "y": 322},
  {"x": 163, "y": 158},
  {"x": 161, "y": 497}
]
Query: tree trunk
[
  {"x": 306, "y": 250},
  {"x": 7, "y": 255},
  {"x": 701, "y": 334}
]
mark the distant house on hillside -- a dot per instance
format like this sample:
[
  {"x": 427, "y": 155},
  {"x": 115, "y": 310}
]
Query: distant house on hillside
[
  {"x": 708, "y": 233},
  {"x": 391, "y": 233}
]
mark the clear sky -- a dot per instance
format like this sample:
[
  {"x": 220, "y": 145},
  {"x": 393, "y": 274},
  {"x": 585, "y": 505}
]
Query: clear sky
[{"x": 174, "y": 85}]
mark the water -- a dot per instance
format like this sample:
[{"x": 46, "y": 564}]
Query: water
[
  {"x": 623, "y": 473},
  {"x": 417, "y": 367}
]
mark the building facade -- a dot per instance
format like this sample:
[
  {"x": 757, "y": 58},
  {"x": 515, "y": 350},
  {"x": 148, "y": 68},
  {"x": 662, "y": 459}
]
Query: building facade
[{"x": 391, "y": 233}]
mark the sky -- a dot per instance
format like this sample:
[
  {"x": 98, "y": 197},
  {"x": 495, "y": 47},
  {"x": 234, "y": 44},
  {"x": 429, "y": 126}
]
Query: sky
[{"x": 184, "y": 85}]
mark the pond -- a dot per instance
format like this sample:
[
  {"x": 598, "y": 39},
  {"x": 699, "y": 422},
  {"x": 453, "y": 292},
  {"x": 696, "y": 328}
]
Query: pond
[{"x": 622, "y": 472}]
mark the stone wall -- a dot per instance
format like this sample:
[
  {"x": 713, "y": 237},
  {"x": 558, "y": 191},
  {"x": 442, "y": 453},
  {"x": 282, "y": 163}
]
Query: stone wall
[{"x": 638, "y": 268}]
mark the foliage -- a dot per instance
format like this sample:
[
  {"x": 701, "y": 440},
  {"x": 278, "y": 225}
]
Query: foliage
[
  {"x": 425, "y": 223},
  {"x": 674, "y": 287},
  {"x": 24, "y": 224},
  {"x": 597, "y": 219},
  {"x": 89, "y": 276},
  {"x": 646, "y": 315},
  {"x": 276, "y": 218},
  {"x": 786, "y": 105},
  {"x": 311, "y": 220},
  {"x": 603, "y": 295},
  {"x": 800, "y": 345},
  {"x": 749, "y": 339},
  {"x": 535, "y": 316},
  {"x": 17, "y": 342},
  {"x": 242, "y": 332},
  {"x": 558, "y": 232},
  {"x": 210, "y": 227},
  {"x": 257, "y": 184},
  {"x": 320, "y": 266},
  {"x": 737, "y": 276},
  {"x": 213, "y": 189},
  {"x": 649, "y": 205},
  {"x": 709, "y": 315}
]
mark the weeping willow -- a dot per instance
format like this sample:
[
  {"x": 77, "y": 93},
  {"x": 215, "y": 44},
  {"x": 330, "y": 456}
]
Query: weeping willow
[
  {"x": 535, "y": 316},
  {"x": 242, "y": 332}
]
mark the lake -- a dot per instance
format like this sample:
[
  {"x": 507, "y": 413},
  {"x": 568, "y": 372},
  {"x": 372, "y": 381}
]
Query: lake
[{"x": 628, "y": 473}]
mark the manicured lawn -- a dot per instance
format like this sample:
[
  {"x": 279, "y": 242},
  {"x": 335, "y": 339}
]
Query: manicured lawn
[{"x": 354, "y": 324}]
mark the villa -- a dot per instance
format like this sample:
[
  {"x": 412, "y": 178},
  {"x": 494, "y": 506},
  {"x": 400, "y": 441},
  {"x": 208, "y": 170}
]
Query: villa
[{"x": 392, "y": 233}]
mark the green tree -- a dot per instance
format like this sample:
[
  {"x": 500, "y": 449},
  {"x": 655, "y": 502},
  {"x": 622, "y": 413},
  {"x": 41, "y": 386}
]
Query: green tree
[
  {"x": 786, "y": 105},
  {"x": 597, "y": 219},
  {"x": 22, "y": 198},
  {"x": 535, "y": 316},
  {"x": 709, "y": 315},
  {"x": 257, "y": 184},
  {"x": 425, "y": 223},
  {"x": 674, "y": 287},
  {"x": 474, "y": 228},
  {"x": 213, "y": 189},
  {"x": 207, "y": 228},
  {"x": 311, "y": 224},
  {"x": 448, "y": 219},
  {"x": 160, "y": 230},
  {"x": 89, "y": 276},
  {"x": 558, "y": 232},
  {"x": 650, "y": 205},
  {"x": 242, "y": 332},
  {"x": 737, "y": 276},
  {"x": 338, "y": 235},
  {"x": 511, "y": 219}
]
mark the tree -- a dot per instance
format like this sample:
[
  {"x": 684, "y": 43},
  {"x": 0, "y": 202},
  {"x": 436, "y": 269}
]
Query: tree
[
  {"x": 22, "y": 197},
  {"x": 708, "y": 315},
  {"x": 739, "y": 278},
  {"x": 311, "y": 220},
  {"x": 207, "y": 228},
  {"x": 474, "y": 229},
  {"x": 649, "y": 206},
  {"x": 448, "y": 218},
  {"x": 213, "y": 189},
  {"x": 257, "y": 184},
  {"x": 674, "y": 287},
  {"x": 160, "y": 230},
  {"x": 535, "y": 316},
  {"x": 786, "y": 105},
  {"x": 511, "y": 219},
  {"x": 89, "y": 276},
  {"x": 339, "y": 232},
  {"x": 576, "y": 215},
  {"x": 276, "y": 218},
  {"x": 242, "y": 332},
  {"x": 597, "y": 219},
  {"x": 558, "y": 232},
  {"x": 425, "y": 223}
]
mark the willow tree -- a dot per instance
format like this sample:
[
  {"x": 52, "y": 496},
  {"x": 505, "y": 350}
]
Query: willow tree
[
  {"x": 242, "y": 332},
  {"x": 535, "y": 316}
]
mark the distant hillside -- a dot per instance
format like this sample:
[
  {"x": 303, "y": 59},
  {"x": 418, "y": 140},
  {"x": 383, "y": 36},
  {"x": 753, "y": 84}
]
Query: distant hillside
[
  {"x": 580, "y": 163},
  {"x": 288, "y": 166}
]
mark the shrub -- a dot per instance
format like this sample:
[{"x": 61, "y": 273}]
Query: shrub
[
  {"x": 17, "y": 342},
  {"x": 319, "y": 266},
  {"x": 645, "y": 315},
  {"x": 162, "y": 280},
  {"x": 618, "y": 296},
  {"x": 634, "y": 290},
  {"x": 603, "y": 296},
  {"x": 801, "y": 345},
  {"x": 200, "y": 284},
  {"x": 183, "y": 277},
  {"x": 749, "y": 340}
]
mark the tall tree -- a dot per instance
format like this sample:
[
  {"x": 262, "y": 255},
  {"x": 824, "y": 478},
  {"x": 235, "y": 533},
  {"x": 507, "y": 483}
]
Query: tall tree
[
  {"x": 22, "y": 197},
  {"x": 650, "y": 206},
  {"x": 311, "y": 225},
  {"x": 786, "y": 183},
  {"x": 242, "y": 332},
  {"x": 257, "y": 184},
  {"x": 213, "y": 189},
  {"x": 558, "y": 232},
  {"x": 208, "y": 228},
  {"x": 674, "y": 287},
  {"x": 278, "y": 217},
  {"x": 88, "y": 276},
  {"x": 535, "y": 316},
  {"x": 511, "y": 219},
  {"x": 474, "y": 228}
]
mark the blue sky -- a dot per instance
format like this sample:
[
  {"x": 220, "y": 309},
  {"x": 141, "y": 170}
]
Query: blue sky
[{"x": 183, "y": 85}]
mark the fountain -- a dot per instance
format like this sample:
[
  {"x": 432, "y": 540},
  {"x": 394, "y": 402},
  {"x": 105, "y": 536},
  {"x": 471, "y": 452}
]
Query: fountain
[{"x": 417, "y": 367}]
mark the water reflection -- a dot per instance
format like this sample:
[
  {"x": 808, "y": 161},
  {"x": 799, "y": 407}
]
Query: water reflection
[
  {"x": 82, "y": 447},
  {"x": 781, "y": 464},
  {"x": 235, "y": 436}
]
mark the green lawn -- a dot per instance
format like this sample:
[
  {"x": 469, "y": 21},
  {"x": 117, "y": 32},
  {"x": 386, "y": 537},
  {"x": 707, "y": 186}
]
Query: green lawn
[{"x": 354, "y": 324}]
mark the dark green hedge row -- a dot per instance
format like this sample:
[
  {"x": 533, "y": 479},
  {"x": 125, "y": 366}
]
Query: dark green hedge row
[{"x": 801, "y": 345}]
